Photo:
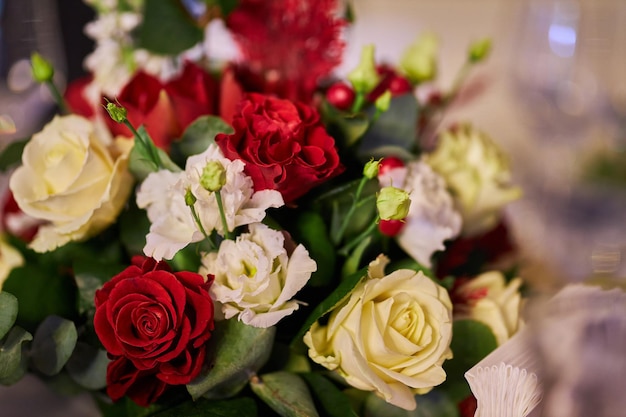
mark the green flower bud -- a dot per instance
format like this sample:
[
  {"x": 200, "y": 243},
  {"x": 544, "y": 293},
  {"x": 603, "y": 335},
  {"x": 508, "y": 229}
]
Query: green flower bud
[
  {"x": 419, "y": 62},
  {"x": 393, "y": 203},
  {"x": 383, "y": 102},
  {"x": 213, "y": 176},
  {"x": 370, "y": 170},
  {"x": 365, "y": 77},
  {"x": 190, "y": 199},
  {"x": 42, "y": 69},
  {"x": 117, "y": 113},
  {"x": 479, "y": 50}
]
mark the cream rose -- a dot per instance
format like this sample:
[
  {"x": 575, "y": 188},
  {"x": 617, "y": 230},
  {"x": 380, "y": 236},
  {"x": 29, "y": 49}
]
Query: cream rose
[
  {"x": 391, "y": 336},
  {"x": 10, "y": 258},
  {"x": 490, "y": 300},
  {"x": 256, "y": 278},
  {"x": 73, "y": 180},
  {"x": 477, "y": 174}
]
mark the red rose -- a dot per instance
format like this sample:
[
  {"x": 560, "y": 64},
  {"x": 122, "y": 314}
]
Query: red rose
[
  {"x": 154, "y": 324},
  {"x": 283, "y": 144}
]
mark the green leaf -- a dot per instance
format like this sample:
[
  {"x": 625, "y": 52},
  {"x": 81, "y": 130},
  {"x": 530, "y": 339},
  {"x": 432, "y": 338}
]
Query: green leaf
[
  {"x": 310, "y": 230},
  {"x": 226, "y": 6},
  {"x": 471, "y": 342},
  {"x": 90, "y": 274},
  {"x": 396, "y": 128},
  {"x": 238, "y": 351},
  {"x": 198, "y": 136},
  {"x": 134, "y": 227},
  {"x": 285, "y": 393},
  {"x": 409, "y": 263},
  {"x": 334, "y": 402},
  {"x": 13, "y": 362},
  {"x": 88, "y": 366},
  {"x": 141, "y": 163},
  {"x": 125, "y": 407},
  {"x": 433, "y": 404},
  {"x": 349, "y": 128},
  {"x": 53, "y": 344},
  {"x": 237, "y": 407},
  {"x": 8, "y": 312},
  {"x": 167, "y": 28},
  {"x": 333, "y": 300},
  {"x": 352, "y": 263},
  {"x": 40, "y": 294},
  {"x": 12, "y": 154}
]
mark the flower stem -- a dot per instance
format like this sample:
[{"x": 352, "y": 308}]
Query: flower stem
[
  {"x": 339, "y": 235},
  {"x": 227, "y": 233},
  {"x": 58, "y": 98},
  {"x": 354, "y": 242},
  {"x": 152, "y": 150},
  {"x": 358, "y": 102},
  {"x": 196, "y": 219}
]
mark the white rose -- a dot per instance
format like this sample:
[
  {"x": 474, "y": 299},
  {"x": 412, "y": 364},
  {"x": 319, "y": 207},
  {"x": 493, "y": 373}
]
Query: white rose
[
  {"x": 72, "y": 179},
  {"x": 255, "y": 277},
  {"x": 490, "y": 300},
  {"x": 10, "y": 258},
  {"x": 432, "y": 218},
  {"x": 477, "y": 174},
  {"x": 391, "y": 336}
]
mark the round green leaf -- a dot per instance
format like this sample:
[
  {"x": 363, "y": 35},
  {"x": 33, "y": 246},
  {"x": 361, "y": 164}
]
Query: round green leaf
[
  {"x": 285, "y": 393},
  {"x": 53, "y": 344},
  {"x": 88, "y": 366},
  {"x": 13, "y": 363},
  {"x": 8, "y": 312},
  {"x": 238, "y": 351}
]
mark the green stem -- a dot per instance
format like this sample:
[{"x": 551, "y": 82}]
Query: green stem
[
  {"x": 459, "y": 80},
  {"x": 56, "y": 95},
  {"x": 227, "y": 233},
  {"x": 152, "y": 150},
  {"x": 358, "y": 102},
  {"x": 196, "y": 219},
  {"x": 337, "y": 238},
  {"x": 354, "y": 242}
]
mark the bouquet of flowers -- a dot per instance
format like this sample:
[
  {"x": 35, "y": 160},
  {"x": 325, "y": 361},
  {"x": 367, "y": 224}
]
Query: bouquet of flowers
[{"x": 255, "y": 237}]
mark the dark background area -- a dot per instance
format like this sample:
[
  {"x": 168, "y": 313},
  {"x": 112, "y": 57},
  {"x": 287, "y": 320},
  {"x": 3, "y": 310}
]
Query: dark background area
[{"x": 73, "y": 15}]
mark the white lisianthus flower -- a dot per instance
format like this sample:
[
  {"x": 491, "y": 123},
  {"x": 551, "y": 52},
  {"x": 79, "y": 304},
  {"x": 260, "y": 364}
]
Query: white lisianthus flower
[
  {"x": 432, "y": 218},
  {"x": 10, "y": 258},
  {"x": 477, "y": 174},
  {"x": 256, "y": 278},
  {"x": 173, "y": 227},
  {"x": 391, "y": 336},
  {"x": 490, "y": 300}
]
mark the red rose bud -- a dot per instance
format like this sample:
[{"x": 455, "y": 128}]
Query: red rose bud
[
  {"x": 392, "y": 81},
  {"x": 154, "y": 324},
  {"x": 388, "y": 163},
  {"x": 284, "y": 145},
  {"x": 340, "y": 95},
  {"x": 391, "y": 228}
]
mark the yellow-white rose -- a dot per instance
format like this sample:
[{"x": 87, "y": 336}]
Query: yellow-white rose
[
  {"x": 10, "y": 258},
  {"x": 477, "y": 174},
  {"x": 490, "y": 300},
  {"x": 72, "y": 179},
  {"x": 391, "y": 336}
]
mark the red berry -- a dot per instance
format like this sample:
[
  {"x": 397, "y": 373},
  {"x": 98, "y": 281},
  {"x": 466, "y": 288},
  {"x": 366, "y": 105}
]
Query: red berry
[
  {"x": 389, "y": 163},
  {"x": 340, "y": 95},
  {"x": 399, "y": 85},
  {"x": 390, "y": 228}
]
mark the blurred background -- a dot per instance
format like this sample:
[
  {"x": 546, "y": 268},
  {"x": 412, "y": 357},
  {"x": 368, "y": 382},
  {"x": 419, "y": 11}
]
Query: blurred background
[{"x": 554, "y": 97}]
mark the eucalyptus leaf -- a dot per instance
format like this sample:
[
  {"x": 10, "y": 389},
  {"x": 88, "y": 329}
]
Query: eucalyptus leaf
[
  {"x": 335, "y": 298},
  {"x": 395, "y": 128},
  {"x": 471, "y": 342},
  {"x": 433, "y": 404},
  {"x": 237, "y": 407},
  {"x": 90, "y": 275},
  {"x": 88, "y": 366},
  {"x": 286, "y": 393},
  {"x": 13, "y": 363},
  {"x": 226, "y": 6},
  {"x": 167, "y": 28},
  {"x": 310, "y": 230},
  {"x": 238, "y": 351},
  {"x": 53, "y": 344},
  {"x": 8, "y": 312},
  {"x": 334, "y": 402},
  {"x": 12, "y": 154},
  {"x": 198, "y": 136},
  {"x": 348, "y": 127},
  {"x": 134, "y": 227}
]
